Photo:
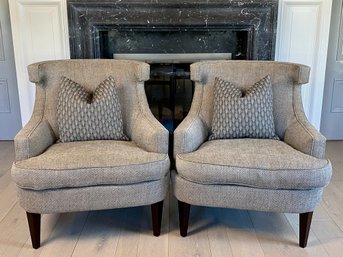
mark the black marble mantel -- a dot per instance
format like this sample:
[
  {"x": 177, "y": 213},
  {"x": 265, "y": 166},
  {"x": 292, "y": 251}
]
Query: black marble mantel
[{"x": 87, "y": 18}]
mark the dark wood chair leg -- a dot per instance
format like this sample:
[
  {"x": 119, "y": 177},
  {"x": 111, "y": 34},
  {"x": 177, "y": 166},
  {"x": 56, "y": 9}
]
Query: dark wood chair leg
[
  {"x": 34, "y": 226},
  {"x": 304, "y": 227},
  {"x": 156, "y": 213},
  {"x": 184, "y": 209}
]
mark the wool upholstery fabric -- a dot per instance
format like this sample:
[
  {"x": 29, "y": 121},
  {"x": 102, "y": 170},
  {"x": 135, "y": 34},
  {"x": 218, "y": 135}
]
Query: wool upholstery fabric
[
  {"x": 214, "y": 180},
  {"x": 290, "y": 120},
  {"x": 138, "y": 122},
  {"x": 261, "y": 163},
  {"x": 84, "y": 115},
  {"x": 93, "y": 197},
  {"x": 90, "y": 163},
  {"x": 239, "y": 114},
  {"x": 107, "y": 182},
  {"x": 33, "y": 139},
  {"x": 248, "y": 198}
]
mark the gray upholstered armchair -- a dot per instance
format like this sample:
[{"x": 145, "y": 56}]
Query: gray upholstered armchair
[
  {"x": 55, "y": 177},
  {"x": 286, "y": 175}
]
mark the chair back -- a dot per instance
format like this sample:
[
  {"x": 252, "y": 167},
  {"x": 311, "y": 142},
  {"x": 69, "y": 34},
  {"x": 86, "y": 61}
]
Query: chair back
[
  {"x": 129, "y": 77},
  {"x": 286, "y": 79}
]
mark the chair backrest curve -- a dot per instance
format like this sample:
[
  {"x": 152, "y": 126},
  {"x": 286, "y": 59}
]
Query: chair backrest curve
[
  {"x": 129, "y": 77},
  {"x": 285, "y": 78}
]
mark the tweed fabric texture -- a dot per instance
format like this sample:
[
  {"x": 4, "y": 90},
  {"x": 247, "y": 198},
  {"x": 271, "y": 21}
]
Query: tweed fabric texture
[
  {"x": 191, "y": 133},
  {"x": 248, "y": 198},
  {"x": 284, "y": 78},
  {"x": 33, "y": 139},
  {"x": 148, "y": 133},
  {"x": 301, "y": 134},
  {"x": 129, "y": 77},
  {"x": 94, "y": 197},
  {"x": 261, "y": 163},
  {"x": 85, "y": 116},
  {"x": 37, "y": 134},
  {"x": 291, "y": 126},
  {"x": 193, "y": 130},
  {"x": 38, "y": 138},
  {"x": 90, "y": 163},
  {"x": 240, "y": 114}
]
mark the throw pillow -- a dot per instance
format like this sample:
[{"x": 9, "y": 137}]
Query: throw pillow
[
  {"x": 240, "y": 114},
  {"x": 83, "y": 115}
]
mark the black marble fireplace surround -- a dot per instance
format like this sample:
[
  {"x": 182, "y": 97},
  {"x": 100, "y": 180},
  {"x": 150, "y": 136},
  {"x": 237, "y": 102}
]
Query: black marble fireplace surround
[
  {"x": 253, "y": 21},
  {"x": 244, "y": 28}
]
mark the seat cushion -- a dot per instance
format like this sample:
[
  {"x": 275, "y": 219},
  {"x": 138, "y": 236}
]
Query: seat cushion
[
  {"x": 90, "y": 163},
  {"x": 261, "y": 163}
]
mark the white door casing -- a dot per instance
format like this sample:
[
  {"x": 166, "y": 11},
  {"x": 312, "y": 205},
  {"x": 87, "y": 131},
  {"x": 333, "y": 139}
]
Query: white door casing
[
  {"x": 10, "y": 121},
  {"x": 302, "y": 37},
  {"x": 47, "y": 21},
  {"x": 332, "y": 113},
  {"x": 40, "y": 33}
]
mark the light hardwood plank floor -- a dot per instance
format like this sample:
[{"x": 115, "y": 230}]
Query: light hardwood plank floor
[{"x": 213, "y": 232}]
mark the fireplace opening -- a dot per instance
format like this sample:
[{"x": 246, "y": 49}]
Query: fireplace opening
[
  {"x": 169, "y": 92},
  {"x": 170, "y": 51},
  {"x": 236, "y": 40}
]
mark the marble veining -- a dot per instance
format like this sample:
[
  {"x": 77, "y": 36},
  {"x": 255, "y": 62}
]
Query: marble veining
[{"x": 99, "y": 28}]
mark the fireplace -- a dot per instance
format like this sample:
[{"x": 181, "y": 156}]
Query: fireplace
[{"x": 233, "y": 29}]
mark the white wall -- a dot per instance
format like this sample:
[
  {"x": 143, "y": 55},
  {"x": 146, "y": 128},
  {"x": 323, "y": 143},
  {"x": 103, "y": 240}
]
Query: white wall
[
  {"x": 40, "y": 32},
  {"x": 302, "y": 37}
]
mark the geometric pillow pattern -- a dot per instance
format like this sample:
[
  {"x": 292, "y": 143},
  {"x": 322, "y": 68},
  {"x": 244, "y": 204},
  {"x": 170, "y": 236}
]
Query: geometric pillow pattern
[
  {"x": 239, "y": 114},
  {"x": 84, "y": 115}
]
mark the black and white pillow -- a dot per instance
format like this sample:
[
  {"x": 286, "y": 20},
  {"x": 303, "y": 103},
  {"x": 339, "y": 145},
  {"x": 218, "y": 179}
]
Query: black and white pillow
[
  {"x": 239, "y": 114},
  {"x": 84, "y": 115}
]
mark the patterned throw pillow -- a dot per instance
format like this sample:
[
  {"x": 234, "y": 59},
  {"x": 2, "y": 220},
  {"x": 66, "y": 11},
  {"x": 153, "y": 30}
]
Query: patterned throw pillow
[
  {"x": 82, "y": 115},
  {"x": 240, "y": 114}
]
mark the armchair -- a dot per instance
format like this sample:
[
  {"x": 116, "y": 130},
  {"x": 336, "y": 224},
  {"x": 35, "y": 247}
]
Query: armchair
[
  {"x": 56, "y": 177},
  {"x": 286, "y": 175}
]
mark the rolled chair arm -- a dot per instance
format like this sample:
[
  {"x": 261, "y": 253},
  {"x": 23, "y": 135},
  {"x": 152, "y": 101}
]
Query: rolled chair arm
[
  {"x": 301, "y": 134},
  {"x": 33, "y": 139},
  {"x": 149, "y": 134},
  {"x": 190, "y": 134},
  {"x": 146, "y": 131}
]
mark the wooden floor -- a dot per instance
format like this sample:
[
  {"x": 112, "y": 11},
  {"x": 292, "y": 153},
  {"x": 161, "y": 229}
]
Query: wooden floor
[{"x": 212, "y": 231}]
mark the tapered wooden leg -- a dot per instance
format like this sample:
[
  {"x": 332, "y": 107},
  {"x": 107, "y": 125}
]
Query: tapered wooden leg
[
  {"x": 184, "y": 209},
  {"x": 34, "y": 226},
  {"x": 304, "y": 227},
  {"x": 156, "y": 213}
]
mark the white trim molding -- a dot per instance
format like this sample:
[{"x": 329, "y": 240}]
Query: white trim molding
[
  {"x": 302, "y": 37},
  {"x": 40, "y": 32}
]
